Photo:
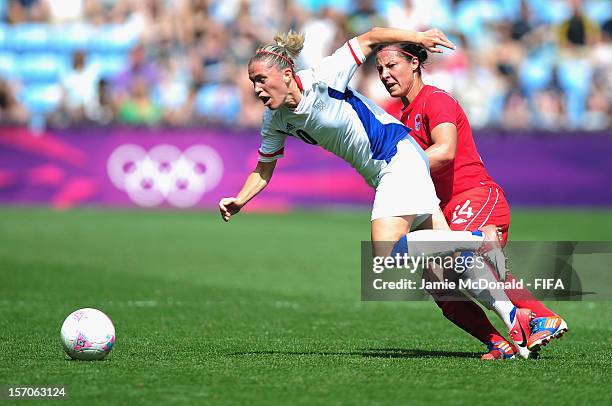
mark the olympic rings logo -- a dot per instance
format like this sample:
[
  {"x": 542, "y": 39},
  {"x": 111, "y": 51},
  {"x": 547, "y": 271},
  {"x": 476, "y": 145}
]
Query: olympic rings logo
[{"x": 165, "y": 173}]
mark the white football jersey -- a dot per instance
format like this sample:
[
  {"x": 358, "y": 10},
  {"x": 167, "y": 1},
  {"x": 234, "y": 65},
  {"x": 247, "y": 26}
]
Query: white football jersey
[{"x": 337, "y": 118}]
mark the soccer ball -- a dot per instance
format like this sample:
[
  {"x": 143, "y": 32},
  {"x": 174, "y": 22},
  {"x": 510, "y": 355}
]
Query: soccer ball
[{"x": 87, "y": 334}]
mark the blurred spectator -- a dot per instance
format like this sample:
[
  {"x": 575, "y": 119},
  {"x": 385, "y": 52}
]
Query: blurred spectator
[
  {"x": 578, "y": 29},
  {"x": 175, "y": 90},
  {"x": 219, "y": 102},
  {"x": 95, "y": 12},
  {"x": 516, "y": 111},
  {"x": 139, "y": 108},
  {"x": 196, "y": 18},
  {"x": 479, "y": 94},
  {"x": 410, "y": 14},
  {"x": 251, "y": 108},
  {"x": 183, "y": 114},
  {"x": 11, "y": 111},
  {"x": 524, "y": 24},
  {"x": 140, "y": 69},
  {"x": 21, "y": 11},
  {"x": 435, "y": 74},
  {"x": 549, "y": 110},
  {"x": 104, "y": 111},
  {"x": 601, "y": 56},
  {"x": 150, "y": 18},
  {"x": 507, "y": 53},
  {"x": 321, "y": 33},
  {"x": 80, "y": 89},
  {"x": 519, "y": 63},
  {"x": 211, "y": 52},
  {"x": 61, "y": 11},
  {"x": 363, "y": 18},
  {"x": 599, "y": 106},
  {"x": 265, "y": 12}
]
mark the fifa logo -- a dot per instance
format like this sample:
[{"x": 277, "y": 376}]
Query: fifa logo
[{"x": 165, "y": 174}]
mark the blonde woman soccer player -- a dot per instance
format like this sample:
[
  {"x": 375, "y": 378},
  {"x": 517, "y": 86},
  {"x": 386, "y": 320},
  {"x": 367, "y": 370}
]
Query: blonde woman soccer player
[{"x": 317, "y": 106}]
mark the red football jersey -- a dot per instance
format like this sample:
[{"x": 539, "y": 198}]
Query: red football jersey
[{"x": 429, "y": 108}]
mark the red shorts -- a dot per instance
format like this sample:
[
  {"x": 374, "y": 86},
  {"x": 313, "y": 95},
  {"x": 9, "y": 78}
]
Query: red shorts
[{"x": 478, "y": 207}]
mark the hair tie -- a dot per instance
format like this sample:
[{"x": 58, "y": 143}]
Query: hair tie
[{"x": 289, "y": 61}]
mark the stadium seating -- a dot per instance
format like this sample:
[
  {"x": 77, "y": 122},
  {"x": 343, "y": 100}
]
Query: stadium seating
[
  {"x": 535, "y": 74},
  {"x": 38, "y": 55},
  {"x": 34, "y": 56},
  {"x": 218, "y": 103},
  {"x": 112, "y": 39},
  {"x": 71, "y": 37},
  {"x": 575, "y": 80},
  {"x": 8, "y": 65},
  {"x": 29, "y": 37},
  {"x": 108, "y": 64},
  {"x": 41, "y": 99},
  {"x": 44, "y": 67}
]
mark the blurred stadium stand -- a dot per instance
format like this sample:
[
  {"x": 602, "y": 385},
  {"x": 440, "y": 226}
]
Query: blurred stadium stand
[{"x": 544, "y": 64}]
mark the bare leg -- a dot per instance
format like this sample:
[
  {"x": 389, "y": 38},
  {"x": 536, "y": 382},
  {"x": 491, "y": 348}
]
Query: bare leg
[{"x": 386, "y": 231}]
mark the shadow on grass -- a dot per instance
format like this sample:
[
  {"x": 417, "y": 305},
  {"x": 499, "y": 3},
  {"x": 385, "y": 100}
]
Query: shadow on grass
[{"x": 373, "y": 353}]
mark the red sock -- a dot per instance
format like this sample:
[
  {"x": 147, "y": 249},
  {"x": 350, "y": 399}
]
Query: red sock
[
  {"x": 523, "y": 298},
  {"x": 470, "y": 317}
]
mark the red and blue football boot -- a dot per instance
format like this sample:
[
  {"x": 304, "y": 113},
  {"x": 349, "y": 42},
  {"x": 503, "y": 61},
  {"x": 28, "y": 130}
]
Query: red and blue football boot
[
  {"x": 544, "y": 329},
  {"x": 501, "y": 349}
]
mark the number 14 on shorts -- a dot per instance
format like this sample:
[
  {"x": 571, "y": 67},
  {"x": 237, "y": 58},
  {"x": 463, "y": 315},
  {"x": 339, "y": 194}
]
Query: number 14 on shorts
[{"x": 462, "y": 213}]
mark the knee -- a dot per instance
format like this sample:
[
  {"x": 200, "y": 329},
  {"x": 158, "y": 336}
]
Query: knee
[
  {"x": 490, "y": 232},
  {"x": 391, "y": 228},
  {"x": 387, "y": 235}
]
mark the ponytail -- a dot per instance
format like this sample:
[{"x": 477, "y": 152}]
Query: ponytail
[{"x": 282, "y": 52}]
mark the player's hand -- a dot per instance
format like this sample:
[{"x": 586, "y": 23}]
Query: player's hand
[
  {"x": 430, "y": 39},
  {"x": 228, "y": 206}
]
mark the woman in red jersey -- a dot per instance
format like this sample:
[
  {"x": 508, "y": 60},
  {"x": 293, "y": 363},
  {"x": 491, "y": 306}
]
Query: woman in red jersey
[{"x": 469, "y": 198}]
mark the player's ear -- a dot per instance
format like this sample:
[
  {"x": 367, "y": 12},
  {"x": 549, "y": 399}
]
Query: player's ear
[
  {"x": 287, "y": 75},
  {"x": 415, "y": 64}
]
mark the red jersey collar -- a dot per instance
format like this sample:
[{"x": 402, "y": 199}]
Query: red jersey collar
[{"x": 408, "y": 109}]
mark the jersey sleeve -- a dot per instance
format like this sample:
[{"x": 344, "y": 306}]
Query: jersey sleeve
[
  {"x": 272, "y": 142},
  {"x": 337, "y": 69},
  {"x": 440, "y": 108}
]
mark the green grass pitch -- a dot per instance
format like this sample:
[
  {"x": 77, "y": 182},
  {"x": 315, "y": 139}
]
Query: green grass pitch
[{"x": 265, "y": 310}]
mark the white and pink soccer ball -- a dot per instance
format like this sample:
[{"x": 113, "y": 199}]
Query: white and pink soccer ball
[{"x": 87, "y": 334}]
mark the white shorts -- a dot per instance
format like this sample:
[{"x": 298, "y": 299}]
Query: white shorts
[{"x": 405, "y": 187}]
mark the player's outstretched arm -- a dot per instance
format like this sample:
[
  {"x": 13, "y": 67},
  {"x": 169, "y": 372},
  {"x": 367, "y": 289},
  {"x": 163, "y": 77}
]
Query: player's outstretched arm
[
  {"x": 255, "y": 183},
  {"x": 429, "y": 39}
]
